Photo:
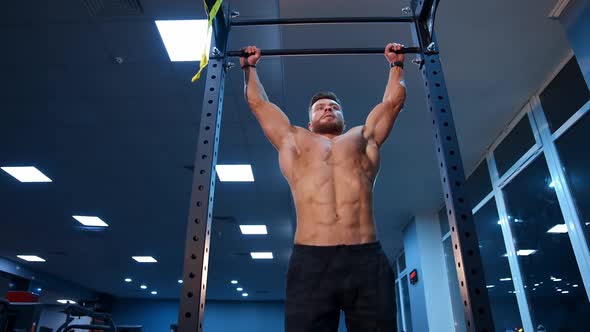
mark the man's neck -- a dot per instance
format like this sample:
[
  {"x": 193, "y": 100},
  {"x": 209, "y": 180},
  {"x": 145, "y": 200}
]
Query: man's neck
[{"x": 327, "y": 134}]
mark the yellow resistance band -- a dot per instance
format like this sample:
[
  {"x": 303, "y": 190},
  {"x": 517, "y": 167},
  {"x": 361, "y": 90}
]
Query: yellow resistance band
[{"x": 205, "y": 57}]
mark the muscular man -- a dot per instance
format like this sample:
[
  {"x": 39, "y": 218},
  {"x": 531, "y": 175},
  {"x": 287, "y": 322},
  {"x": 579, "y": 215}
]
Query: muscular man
[{"x": 337, "y": 262}]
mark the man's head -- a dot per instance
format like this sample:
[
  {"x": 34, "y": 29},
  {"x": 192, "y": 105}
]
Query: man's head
[{"x": 325, "y": 114}]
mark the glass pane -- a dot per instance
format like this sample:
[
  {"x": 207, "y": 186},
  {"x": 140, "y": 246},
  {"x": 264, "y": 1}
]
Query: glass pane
[
  {"x": 444, "y": 221},
  {"x": 456, "y": 302},
  {"x": 564, "y": 95},
  {"x": 406, "y": 296},
  {"x": 554, "y": 288},
  {"x": 577, "y": 167},
  {"x": 400, "y": 327},
  {"x": 496, "y": 269},
  {"x": 402, "y": 261},
  {"x": 516, "y": 144},
  {"x": 478, "y": 185}
]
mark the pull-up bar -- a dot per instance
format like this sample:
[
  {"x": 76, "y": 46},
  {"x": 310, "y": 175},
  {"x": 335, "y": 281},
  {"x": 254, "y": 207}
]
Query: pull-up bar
[
  {"x": 469, "y": 267},
  {"x": 321, "y": 20},
  {"x": 323, "y": 51}
]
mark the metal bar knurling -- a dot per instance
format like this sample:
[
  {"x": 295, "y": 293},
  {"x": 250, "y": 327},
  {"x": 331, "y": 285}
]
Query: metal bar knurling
[
  {"x": 198, "y": 235},
  {"x": 478, "y": 315}
]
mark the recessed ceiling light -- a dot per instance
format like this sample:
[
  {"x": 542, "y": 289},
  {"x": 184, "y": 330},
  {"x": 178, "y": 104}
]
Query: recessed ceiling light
[
  {"x": 91, "y": 221},
  {"x": 490, "y": 286},
  {"x": 66, "y": 301},
  {"x": 234, "y": 173},
  {"x": 505, "y": 279},
  {"x": 145, "y": 259},
  {"x": 234, "y": 282},
  {"x": 525, "y": 252},
  {"x": 184, "y": 39},
  {"x": 253, "y": 229},
  {"x": 239, "y": 289},
  {"x": 180, "y": 281},
  {"x": 26, "y": 174},
  {"x": 39, "y": 290},
  {"x": 261, "y": 255},
  {"x": 565, "y": 292},
  {"x": 575, "y": 286},
  {"x": 143, "y": 287},
  {"x": 128, "y": 280},
  {"x": 558, "y": 229},
  {"x": 154, "y": 292},
  {"x": 244, "y": 294},
  {"x": 31, "y": 258}
]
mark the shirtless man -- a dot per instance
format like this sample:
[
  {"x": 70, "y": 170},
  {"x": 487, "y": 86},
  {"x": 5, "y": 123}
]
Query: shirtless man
[{"x": 337, "y": 262}]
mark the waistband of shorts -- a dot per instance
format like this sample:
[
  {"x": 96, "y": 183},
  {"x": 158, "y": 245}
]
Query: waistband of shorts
[{"x": 371, "y": 246}]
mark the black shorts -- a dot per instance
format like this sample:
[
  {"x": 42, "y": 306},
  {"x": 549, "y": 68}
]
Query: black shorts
[{"x": 356, "y": 279}]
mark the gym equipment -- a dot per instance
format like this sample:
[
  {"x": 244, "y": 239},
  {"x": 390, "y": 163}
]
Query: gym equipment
[
  {"x": 421, "y": 15},
  {"x": 21, "y": 312},
  {"x": 74, "y": 310}
]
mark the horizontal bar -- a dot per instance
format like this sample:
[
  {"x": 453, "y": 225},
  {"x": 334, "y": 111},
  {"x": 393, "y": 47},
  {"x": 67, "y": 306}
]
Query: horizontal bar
[
  {"x": 324, "y": 51},
  {"x": 322, "y": 20}
]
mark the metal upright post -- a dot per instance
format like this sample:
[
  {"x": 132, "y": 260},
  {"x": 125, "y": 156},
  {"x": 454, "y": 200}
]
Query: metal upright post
[
  {"x": 476, "y": 305},
  {"x": 198, "y": 234}
]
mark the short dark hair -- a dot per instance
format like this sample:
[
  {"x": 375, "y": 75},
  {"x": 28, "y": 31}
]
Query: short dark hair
[{"x": 324, "y": 95}]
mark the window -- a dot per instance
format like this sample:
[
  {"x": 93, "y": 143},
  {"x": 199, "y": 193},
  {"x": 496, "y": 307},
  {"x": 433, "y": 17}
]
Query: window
[
  {"x": 577, "y": 167},
  {"x": 478, "y": 185},
  {"x": 496, "y": 269},
  {"x": 406, "y": 303},
  {"x": 400, "y": 323},
  {"x": 564, "y": 95},
  {"x": 514, "y": 146},
  {"x": 555, "y": 292},
  {"x": 402, "y": 261}
]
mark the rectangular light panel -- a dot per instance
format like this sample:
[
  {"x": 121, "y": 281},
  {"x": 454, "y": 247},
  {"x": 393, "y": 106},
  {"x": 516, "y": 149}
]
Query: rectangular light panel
[
  {"x": 26, "y": 174},
  {"x": 253, "y": 229},
  {"x": 235, "y": 173},
  {"x": 558, "y": 229},
  {"x": 261, "y": 255},
  {"x": 31, "y": 258},
  {"x": 184, "y": 39},
  {"x": 525, "y": 252},
  {"x": 144, "y": 259},
  {"x": 91, "y": 221}
]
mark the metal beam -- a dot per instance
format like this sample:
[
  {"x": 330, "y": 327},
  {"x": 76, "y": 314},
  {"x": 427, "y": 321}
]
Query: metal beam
[
  {"x": 321, "y": 20},
  {"x": 425, "y": 14},
  {"x": 221, "y": 25},
  {"x": 198, "y": 233},
  {"x": 323, "y": 51},
  {"x": 478, "y": 315}
]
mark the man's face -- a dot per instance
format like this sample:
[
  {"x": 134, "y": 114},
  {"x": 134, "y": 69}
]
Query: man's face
[{"x": 325, "y": 117}]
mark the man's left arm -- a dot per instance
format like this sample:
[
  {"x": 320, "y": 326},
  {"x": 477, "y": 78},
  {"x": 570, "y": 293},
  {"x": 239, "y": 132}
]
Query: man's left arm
[{"x": 381, "y": 119}]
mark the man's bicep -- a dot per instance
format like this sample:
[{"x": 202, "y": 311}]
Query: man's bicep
[
  {"x": 274, "y": 122},
  {"x": 380, "y": 122}
]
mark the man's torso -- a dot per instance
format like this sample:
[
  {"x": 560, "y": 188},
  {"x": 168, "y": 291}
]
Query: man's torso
[{"x": 332, "y": 182}]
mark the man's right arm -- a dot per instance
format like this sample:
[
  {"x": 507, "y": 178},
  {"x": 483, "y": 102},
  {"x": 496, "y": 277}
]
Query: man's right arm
[{"x": 274, "y": 122}]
